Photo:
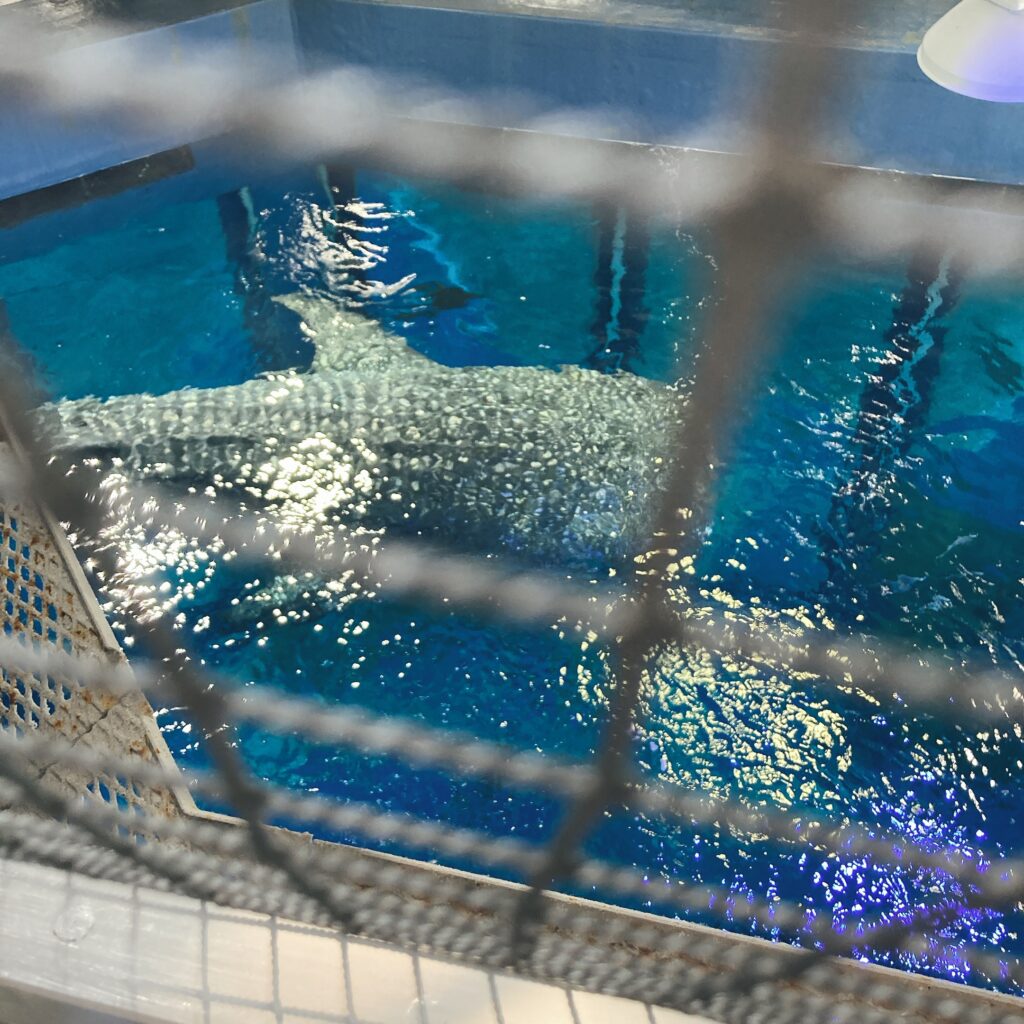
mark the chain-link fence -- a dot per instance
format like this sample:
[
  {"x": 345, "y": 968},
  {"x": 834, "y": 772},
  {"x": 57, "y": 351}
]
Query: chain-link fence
[{"x": 78, "y": 725}]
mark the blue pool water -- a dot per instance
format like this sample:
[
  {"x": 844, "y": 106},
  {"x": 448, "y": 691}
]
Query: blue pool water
[{"x": 906, "y": 525}]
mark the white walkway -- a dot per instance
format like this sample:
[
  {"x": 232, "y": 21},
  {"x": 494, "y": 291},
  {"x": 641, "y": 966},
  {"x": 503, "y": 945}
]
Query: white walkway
[{"x": 117, "y": 952}]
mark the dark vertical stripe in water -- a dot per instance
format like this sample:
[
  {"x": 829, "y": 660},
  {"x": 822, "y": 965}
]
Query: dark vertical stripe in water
[
  {"x": 341, "y": 181},
  {"x": 16, "y": 361},
  {"x": 620, "y": 279},
  {"x": 893, "y": 406},
  {"x": 635, "y": 312},
  {"x": 237, "y": 227},
  {"x": 607, "y": 217},
  {"x": 276, "y": 340},
  {"x": 900, "y": 390}
]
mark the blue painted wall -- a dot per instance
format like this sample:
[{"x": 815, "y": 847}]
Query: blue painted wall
[
  {"x": 898, "y": 118},
  {"x": 39, "y": 149},
  {"x": 674, "y": 86},
  {"x": 664, "y": 81},
  {"x": 677, "y": 86}
]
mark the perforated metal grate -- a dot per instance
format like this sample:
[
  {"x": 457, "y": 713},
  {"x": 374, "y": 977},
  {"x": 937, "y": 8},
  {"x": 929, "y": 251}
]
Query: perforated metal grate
[
  {"x": 41, "y": 606},
  {"x": 47, "y": 605}
]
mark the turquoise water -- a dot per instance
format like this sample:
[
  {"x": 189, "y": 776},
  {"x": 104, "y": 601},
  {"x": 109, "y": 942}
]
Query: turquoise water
[{"x": 907, "y": 525}]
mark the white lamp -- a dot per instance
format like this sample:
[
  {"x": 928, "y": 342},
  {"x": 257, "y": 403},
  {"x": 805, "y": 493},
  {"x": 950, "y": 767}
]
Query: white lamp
[{"x": 977, "y": 49}]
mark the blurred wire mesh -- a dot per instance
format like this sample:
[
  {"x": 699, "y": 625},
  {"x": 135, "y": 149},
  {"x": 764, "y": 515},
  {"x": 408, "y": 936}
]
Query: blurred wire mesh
[{"x": 86, "y": 782}]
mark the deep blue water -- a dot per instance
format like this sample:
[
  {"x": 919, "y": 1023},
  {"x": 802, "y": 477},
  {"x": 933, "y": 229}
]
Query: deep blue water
[{"x": 906, "y": 524}]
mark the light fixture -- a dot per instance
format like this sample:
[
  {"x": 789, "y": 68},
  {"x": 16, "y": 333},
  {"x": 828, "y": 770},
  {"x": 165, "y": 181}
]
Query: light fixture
[{"x": 977, "y": 49}]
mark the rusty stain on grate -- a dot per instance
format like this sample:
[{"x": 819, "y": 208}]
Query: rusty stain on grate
[{"x": 46, "y": 602}]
